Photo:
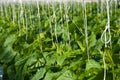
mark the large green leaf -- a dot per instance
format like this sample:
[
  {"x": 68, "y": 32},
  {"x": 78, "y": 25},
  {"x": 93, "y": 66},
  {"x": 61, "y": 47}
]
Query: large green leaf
[
  {"x": 10, "y": 40},
  {"x": 51, "y": 76},
  {"x": 39, "y": 74},
  {"x": 92, "y": 64},
  {"x": 67, "y": 75},
  {"x": 8, "y": 54}
]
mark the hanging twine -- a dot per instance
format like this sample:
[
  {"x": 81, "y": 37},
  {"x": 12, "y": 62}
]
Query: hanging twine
[
  {"x": 104, "y": 36},
  {"x": 107, "y": 28}
]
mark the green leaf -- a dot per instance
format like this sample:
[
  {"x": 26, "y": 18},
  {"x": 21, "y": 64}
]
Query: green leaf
[
  {"x": 51, "y": 59},
  {"x": 92, "y": 40},
  {"x": 8, "y": 54},
  {"x": 118, "y": 42},
  {"x": 51, "y": 76},
  {"x": 65, "y": 34},
  {"x": 81, "y": 45},
  {"x": 31, "y": 60},
  {"x": 68, "y": 75},
  {"x": 21, "y": 61},
  {"x": 92, "y": 64},
  {"x": 40, "y": 74},
  {"x": 10, "y": 40},
  {"x": 60, "y": 59}
]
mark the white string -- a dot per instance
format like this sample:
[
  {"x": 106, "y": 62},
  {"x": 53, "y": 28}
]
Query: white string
[
  {"x": 20, "y": 15},
  {"x": 5, "y": 8},
  {"x": 13, "y": 10},
  {"x": 104, "y": 36},
  {"x": 115, "y": 6},
  {"x": 97, "y": 6},
  {"x": 104, "y": 66},
  {"x": 19, "y": 24},
  {"x": 1, "y": 8},
  {"x": 30, "y": 14},
  {"x": 107, "y": 28},
  {"x": 26, "y": 25},
  {"x": 101, "y": 6},
  {"x": 60, "y": 6},
  {"x": 55, "y": 21},
  {"x": 67, "y": 20},
  {"x": 86, "y": 28},
  {"x": 51, "y": 30},
  {"x": 78, "y": 28},
  {"x": 90, "y": 6}
]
